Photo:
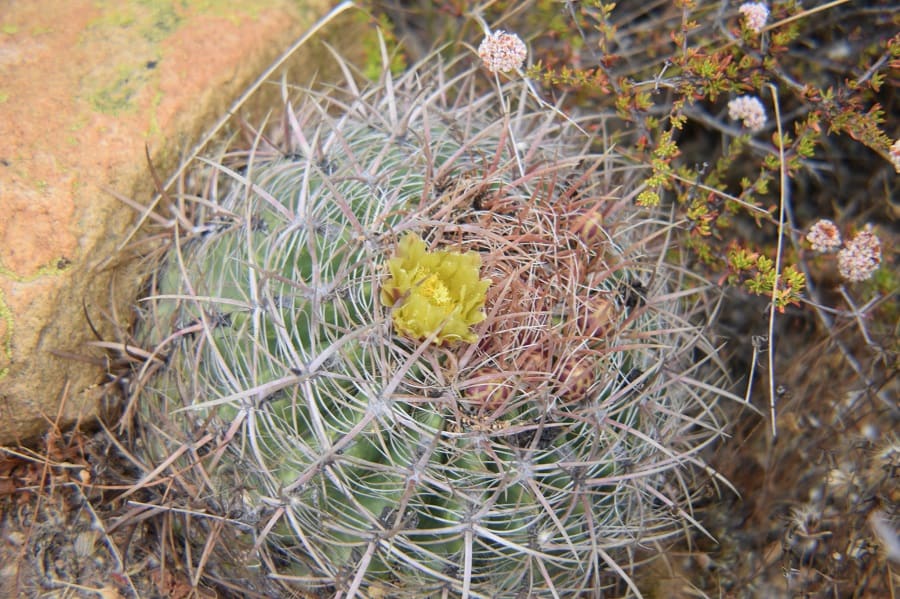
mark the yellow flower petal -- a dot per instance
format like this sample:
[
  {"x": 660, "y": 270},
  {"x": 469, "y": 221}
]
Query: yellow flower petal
[{"x": 434, "y": 292}]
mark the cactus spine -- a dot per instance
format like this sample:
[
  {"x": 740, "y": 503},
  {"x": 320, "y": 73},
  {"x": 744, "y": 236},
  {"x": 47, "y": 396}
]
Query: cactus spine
[{"x": 518, "y": 433}]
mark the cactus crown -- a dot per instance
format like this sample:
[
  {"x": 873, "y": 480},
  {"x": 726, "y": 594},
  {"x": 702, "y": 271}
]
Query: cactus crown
[{"x": 436, "y": 346}]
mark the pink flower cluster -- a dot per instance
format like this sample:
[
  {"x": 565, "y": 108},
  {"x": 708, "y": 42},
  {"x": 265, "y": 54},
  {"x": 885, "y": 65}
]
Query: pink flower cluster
[
  {"x": 858, "y": 259},
  {"x": 755, "y": 15},
  {"x": 749, "y": 110},
  {"x": 824, "y": 236},
  {"x": 502, "y": 52}
]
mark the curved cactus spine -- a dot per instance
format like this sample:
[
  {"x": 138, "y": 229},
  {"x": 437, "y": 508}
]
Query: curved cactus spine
[{"x": 522, "y": 456}]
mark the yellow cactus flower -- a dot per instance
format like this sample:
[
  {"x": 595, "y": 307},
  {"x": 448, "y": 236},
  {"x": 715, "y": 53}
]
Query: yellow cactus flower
[{"x": 434, "y": 291}]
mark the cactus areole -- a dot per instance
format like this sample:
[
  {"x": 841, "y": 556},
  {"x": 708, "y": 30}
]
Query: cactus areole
[{"x": 408, "y": 330}]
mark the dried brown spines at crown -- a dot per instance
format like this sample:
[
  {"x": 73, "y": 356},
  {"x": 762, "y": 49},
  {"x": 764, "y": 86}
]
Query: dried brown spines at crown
[
  {"x": 467, "y": 191},
  {"x": 548, "y": 300}
]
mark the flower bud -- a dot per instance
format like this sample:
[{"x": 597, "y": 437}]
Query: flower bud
[
  {"x": 596, "y": 320},
  {"x": 489, "y": 390},
  {"x": 588, "y": 227},
  {"x": 532, "y": 362},
  {"x": 574, "y": 376}
]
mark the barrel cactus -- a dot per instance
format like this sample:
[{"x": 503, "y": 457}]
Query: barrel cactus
[{"x": 422, "y": 339}]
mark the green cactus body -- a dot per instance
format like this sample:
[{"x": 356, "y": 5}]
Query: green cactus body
[{"x": 522, "y": 464}]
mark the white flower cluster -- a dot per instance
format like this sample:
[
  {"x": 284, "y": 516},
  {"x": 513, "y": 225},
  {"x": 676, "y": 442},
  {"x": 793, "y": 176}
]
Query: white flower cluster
[
  {"x": 895, "y": 155},
  {"x": 755, "y": 15},
  {"x": 860, "y": 257},
  {"x": 824, "y": 236},
  {"x": 749, "y": 110},
  {"x": 502, "y": 52}
]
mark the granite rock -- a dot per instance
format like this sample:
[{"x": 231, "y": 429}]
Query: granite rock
[{"x": 87, "y": 91}]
